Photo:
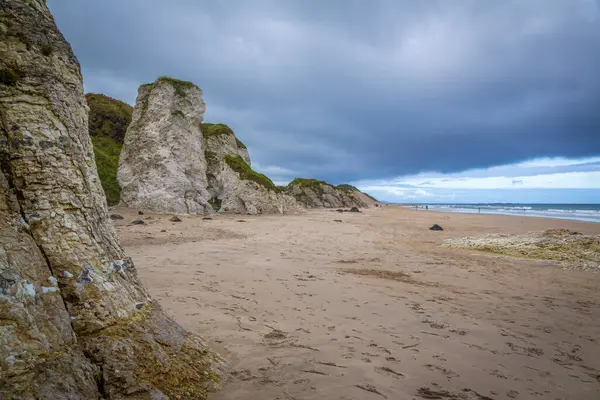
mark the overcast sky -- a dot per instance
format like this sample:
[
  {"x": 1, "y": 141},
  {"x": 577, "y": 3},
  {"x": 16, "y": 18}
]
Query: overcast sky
[{"x": 385, "y": 94}]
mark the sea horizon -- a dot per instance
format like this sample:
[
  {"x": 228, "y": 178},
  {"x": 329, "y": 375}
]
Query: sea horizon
[{"x": 588, "y": 212}]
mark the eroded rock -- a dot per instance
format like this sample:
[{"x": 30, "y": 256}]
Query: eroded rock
[
  {"x": 172, "y": 162},
  {"x": 313, "y": 193},
  {"x": 69, "y": 323}
]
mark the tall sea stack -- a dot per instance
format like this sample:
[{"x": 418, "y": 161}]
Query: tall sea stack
[
  {"x": 75, "y": 322},
  {"x": 173, "y": 162}
]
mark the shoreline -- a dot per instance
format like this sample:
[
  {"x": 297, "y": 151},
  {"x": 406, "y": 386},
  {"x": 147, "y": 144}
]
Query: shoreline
[
  {"x": 456, "y": 209},
  {"x": 308, "y": 307}
]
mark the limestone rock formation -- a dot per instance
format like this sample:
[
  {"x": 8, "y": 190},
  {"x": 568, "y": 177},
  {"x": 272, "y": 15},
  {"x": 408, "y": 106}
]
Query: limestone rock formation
[
  {"x": 172, "y": 162},
  {"x": 232, "y": 184},
  {"x": 313, "y": 193},
  {"x": 162, "y": 166},
  {"x": 75, "y": 322}
]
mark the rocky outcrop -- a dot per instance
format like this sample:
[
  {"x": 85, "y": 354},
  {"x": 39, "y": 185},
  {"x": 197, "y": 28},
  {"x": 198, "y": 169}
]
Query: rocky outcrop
[
  {"x": 162, "y": 166},
  {"x": 313, "y": 193},
  {"x": 75, "y": 322},
  {"x": 172, "y": 162},
  {"x": 232, "y": 184}
]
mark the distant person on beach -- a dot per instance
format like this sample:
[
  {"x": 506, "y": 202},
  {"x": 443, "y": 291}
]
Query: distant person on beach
[{"x": 427, "y": 207}]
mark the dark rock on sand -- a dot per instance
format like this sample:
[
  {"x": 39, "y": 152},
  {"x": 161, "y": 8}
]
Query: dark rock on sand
[
  {"x": 436, "y": 227},
  {"x": 354, "y": 210},
  {"x": 115, "y": 216},
  {"x": 175, "y": 218},
  {"x": 140, "y": 213},
  {"x": 138, "y": 222}
]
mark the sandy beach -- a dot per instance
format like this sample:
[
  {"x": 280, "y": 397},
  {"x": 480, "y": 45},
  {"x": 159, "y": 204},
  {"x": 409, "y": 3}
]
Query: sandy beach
[{"x": 372, "y": 306}]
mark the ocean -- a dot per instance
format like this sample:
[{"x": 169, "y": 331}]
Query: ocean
[{"x": 581, "y": 212}]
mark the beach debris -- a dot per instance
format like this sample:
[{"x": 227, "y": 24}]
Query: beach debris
[
  {"x": 436, "y": 227},
  {"x": 241, "y": 220},
  {"x": 567, "y": 248},
  {"x": 337, "y": 220},
  {"x": 115, "y": 216},
  {"x": 138, "y": 222},
  {"x": 163, "y": 230},
  {"x": 175, "y": 218},
  {"x": 207, "y": 218}
]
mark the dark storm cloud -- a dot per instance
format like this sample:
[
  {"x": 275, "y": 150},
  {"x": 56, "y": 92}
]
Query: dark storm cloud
[{"x": 345, "y": 90}]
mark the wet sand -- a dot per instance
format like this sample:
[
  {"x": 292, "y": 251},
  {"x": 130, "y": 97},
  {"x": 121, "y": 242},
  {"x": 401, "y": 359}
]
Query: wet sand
[{"x": 373, "y": 307}]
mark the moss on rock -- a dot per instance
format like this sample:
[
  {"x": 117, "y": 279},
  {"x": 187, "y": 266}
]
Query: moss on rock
[
  {"x": 240, "y": 166},
  {"x": 8, "y": 76}
]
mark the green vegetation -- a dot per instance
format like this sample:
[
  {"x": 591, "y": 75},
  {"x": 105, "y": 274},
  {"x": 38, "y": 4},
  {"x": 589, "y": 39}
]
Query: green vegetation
[
  {"x": 179, "y": 85},
  {"x": 108, "y": 122},
  {"x": 9, "y": 76},
  {"x": 209, "y": 130},
  {"x": 106, "y": 152},
  {"x": 211, "y": 157},
  {"x": 215, "y": 204},
  {"x": 347, "y": 188},
  {"x": 314, "y": 184},
  {"x": 239, "y": 144},
  {"x": 240, "y": 166},
  {"x": 108, "y": 117}
]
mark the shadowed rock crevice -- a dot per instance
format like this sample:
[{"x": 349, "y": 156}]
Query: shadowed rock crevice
[{"x": 67, "y": 288}]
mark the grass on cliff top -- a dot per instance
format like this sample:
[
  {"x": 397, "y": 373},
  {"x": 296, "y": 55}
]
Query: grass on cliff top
[
  {"x": 347, "y": 188},
  {"x": 209, "y": 130},
  {"x": 240, "y": 166},
  {"x": 106, "y": 153},
  {"x": 179, "y": 85},
  {"x": 314, "y": 184}
]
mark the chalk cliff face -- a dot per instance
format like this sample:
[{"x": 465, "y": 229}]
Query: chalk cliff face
[
  {"x": 233, "y": 185},
  {"x": 313, "y": 193},
  {"x": 162, "y": 166},
  {"x": 172, "y": 162},
  {"x": 75, "y": 322}
]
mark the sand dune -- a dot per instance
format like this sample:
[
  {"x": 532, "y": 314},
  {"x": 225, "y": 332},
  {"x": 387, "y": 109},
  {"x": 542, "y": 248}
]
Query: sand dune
[{"x": 374, "y": 307}]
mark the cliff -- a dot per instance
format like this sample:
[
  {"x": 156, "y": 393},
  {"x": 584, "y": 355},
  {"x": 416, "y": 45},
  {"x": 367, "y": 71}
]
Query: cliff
[
  {"x": 108, "y": 122},
  {"x": 75, "y": 321},
  {"x": 172, "y": 162},
  {"x": 313, "y": 193}
]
